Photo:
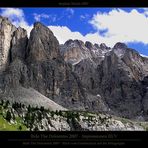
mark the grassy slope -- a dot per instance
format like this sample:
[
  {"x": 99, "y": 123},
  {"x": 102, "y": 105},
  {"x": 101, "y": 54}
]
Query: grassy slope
[{"x": 6, "y": 126}]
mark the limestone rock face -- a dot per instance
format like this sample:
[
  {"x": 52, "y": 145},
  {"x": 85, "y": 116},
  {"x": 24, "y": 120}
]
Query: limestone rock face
[
  {"x": 119, "y": 81},
  {"x": 48, "y": 72},
  {"x": 75, "y": 51},
  {"x": 6, "y": 34},
  {"x": 119, "y": 89},
  {"x": 118, "y": 78},
  {"x": 37, "y": 63},
  {"x": 42, "y": 44},
  {"x": 19, "y": 44}
]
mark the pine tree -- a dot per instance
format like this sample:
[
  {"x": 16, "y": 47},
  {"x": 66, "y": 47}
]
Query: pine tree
[
  {"x": 20, "y": 128},
  {"x": 6, "y": 104},
  {"x": 32, "y": 119},
  {"x": 29, "y": 108},
  {"x": 78, "y": 116},
  {"x": 2, "y": 102},
  {"x": 13, "y": 105},
  {"x": 39, "y": 116},
  {"x": 56, "y": 112},
  {"x": 60, "y": 113},
  {"x": 52, "y": 114},
  {"x": 42, "y": 109},
  {"x": 8, "y": 116},
  {"x": 23, "y": 106},
  {"x": 28, "y": 119}
]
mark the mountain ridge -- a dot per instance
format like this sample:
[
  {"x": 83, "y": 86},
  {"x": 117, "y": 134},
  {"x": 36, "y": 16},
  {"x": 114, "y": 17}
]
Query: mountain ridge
[{"x": 76, "y": 75}]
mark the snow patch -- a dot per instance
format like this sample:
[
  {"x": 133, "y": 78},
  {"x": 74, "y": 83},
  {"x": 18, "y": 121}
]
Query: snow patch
[
  {"x": 145, "y": 56},
  {"x": 98, "y": 95}
]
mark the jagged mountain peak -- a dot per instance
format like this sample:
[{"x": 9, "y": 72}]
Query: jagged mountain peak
[
  {"x": 96, "y": 45},
  {"x": 89, "y": 45},
  {"x": 103, "y": 46},
  {"x": 79, "y": 42},
  {"x": 41, "y": 29},
  {"x": 120, "y": 45},
  {"x": 122, "y": 50},
  {"x": 5, "y": 19},
  {"x": 38, "y": 25},
  {"x": 42, "y": 45},
  {"x": 21, "y": 29},
  {"x": 75, "y": 42},
  {"x": 76, "y": 50},
  {"x": 68, "y": 42}
]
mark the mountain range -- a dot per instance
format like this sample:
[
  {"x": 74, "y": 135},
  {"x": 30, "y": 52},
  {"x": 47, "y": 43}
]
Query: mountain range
[{"x": 38, "y": 71}]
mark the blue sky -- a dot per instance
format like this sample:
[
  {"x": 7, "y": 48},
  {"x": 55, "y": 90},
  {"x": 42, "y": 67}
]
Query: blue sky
[{"x": 108, "y": 25}]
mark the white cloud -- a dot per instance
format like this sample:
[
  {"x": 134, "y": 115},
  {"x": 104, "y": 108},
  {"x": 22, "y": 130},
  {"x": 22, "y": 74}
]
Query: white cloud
[
  {"x": 84, "y": 16},
  {"x": 12, "y": 12},
  {"x": 145, "y": 11},
  {"x": 144, "y": 55},
  {"x": 118, "y": 26},
  {"x": 38, "y": 17},
  {"x": 69, "y": 12},
  {"x": 50, "y": 17},
  {"x": 17, "y": 18},
  {"x": 122, "y": 26},
  {"x": 63, "y": 34}
]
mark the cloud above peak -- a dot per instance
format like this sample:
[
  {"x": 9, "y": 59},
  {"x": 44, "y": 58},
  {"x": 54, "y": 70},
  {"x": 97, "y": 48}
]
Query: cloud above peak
[
  {"x": 38, "y": 17},
  {"x": 122, "y": 25},
  {"x": 63, "y": 33},
  {"x": 110, "y": 27},
  {"x": 12, "y": 12}
]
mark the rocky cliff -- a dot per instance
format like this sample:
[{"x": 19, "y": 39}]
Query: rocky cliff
[
  {"x": 76, "y": 75},
  {"x": 6, "y": 35},
  {"x": 37, "y": 63},
  {"x": 122, "y": 72},
  {"x": 114, "y": 79}
]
